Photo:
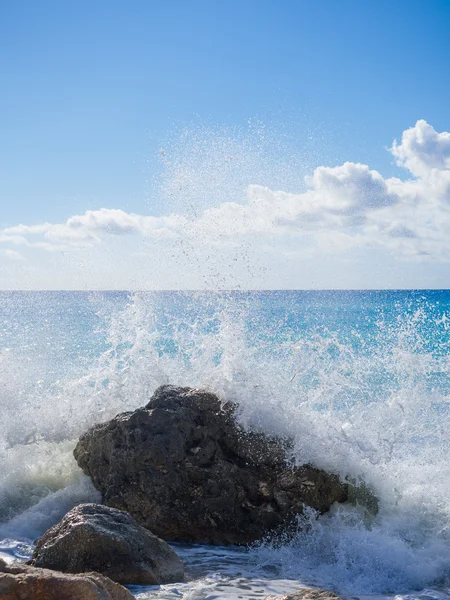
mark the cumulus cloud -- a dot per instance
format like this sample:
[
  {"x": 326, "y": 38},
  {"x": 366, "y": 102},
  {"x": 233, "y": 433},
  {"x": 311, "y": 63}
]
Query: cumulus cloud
[
  {"x": 87, "y": 229},
  {"x": 423, "y": 149},
  {"x": 113, "y": 221},
  {"x": 341, "y": 208}
]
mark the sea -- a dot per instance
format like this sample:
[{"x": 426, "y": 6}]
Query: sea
[{"x": 359, "y": 380}]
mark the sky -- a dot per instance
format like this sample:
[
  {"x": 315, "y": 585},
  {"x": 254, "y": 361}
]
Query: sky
[{"x": 252, "y": 144}]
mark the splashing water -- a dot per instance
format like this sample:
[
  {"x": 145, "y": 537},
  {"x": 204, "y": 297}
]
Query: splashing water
[{"x": 359, "y": 381}]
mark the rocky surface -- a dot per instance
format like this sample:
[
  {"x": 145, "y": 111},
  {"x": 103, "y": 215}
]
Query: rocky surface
[
  {"x": 22, "y": 582},
  {"x": 306, "y": 594},
  {"x": 186, "y": 471},
  {"x": 92, "y": 537}
]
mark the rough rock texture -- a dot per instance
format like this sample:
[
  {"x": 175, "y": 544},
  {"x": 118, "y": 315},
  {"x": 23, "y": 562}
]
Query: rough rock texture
[
  {"x": 92, "y": 537},
  {"x": 186, "y": 471},
  {"x": 306, "y": 594},
  {"x": 21, "y": 582}
]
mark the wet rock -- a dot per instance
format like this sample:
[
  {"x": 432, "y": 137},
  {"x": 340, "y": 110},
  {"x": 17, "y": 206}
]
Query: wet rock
[
  {"x": 306, "y": 594},
  {"x": 98, "y": 538},
  {"x": 359, "y": 493},
  {"x": 22, "y": 582},
  {"x": 185, "y": 470}
]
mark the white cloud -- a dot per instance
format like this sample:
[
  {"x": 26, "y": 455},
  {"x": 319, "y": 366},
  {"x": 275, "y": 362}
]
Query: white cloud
[
  {"x": 422, "y": 149},
  {"x": 113, "y": 221},
  {"x": 11, "y": 254},
  {"x": 87, "y": 229},
  {"x": 343, "y": 208}
]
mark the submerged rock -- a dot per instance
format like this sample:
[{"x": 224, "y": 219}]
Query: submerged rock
[
  {"x": 92, "y": 537},
  {"x": 22, "y": 582},
  {"x": 187, "y": 471},
  {"x": 306, "y": 594}
]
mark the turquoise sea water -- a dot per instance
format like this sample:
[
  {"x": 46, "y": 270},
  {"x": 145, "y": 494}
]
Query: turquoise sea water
[{"x": 359, "y": 379}]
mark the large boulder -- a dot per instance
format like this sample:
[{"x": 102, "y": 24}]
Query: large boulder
[
  {"x": 22, "y": 582},
  {"x": 98, "y": 538},
  {"x": 187, "y": 471}
]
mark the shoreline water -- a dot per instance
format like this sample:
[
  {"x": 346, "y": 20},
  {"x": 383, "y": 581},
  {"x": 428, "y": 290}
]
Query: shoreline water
[{"x": 229, "y": 573}]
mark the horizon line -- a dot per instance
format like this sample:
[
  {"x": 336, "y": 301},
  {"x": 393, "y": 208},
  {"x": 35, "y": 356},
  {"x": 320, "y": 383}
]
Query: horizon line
[{"x": 217, "y": 291}]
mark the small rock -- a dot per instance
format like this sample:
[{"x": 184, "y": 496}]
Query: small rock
[
  {"x": 92, "y": 537},
  {"x": 22, "y": 582}
]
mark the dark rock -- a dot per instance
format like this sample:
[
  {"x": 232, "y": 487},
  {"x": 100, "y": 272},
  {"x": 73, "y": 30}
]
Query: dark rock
[
  {"x": 22, "y": 582},
  {"x": 306, "y": 594},
  {"x": 92, "y": 537},
  {"x": 185, "y": 470}
]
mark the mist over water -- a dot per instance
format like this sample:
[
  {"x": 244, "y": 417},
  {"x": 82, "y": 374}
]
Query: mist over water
[
  {"x": 205, "y": 167},
  {"x": 359, "y": 380}
]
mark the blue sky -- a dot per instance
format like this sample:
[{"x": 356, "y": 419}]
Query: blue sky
[{"x": 92, "y": 90}]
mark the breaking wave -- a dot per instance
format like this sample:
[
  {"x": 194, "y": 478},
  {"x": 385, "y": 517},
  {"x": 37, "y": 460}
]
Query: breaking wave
[{"x": 359, "y": 381}]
